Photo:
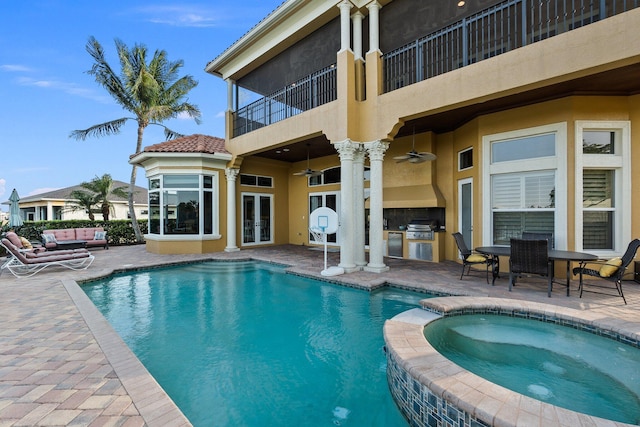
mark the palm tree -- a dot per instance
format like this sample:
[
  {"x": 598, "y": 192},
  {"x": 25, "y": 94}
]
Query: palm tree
[
  {"x": 152, "y": 92},
  {"x": 102, "y": 189},
  {"x": 82, "y": 201}
]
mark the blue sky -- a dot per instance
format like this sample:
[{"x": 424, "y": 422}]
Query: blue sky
[{"x": 46, "y": 92}]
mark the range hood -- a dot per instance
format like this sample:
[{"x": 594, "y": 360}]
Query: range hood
[{"x": 412, "y": 196}]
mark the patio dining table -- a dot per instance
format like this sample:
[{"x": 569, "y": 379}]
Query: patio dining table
[{"x": 495, "y": 252}]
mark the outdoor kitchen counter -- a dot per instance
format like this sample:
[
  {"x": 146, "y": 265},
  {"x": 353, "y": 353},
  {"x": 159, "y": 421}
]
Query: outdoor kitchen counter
[{"x": 437, "y": 244}]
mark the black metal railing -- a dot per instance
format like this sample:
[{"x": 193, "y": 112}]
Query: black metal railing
[
  {"x": 312, "y": 91},
  {"x": 503, "y": 27}
]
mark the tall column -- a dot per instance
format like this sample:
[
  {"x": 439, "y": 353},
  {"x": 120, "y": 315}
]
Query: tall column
[
  {"x": 229, "y": 95},
  {"x": 357, "y": 35},
  {"x": 232, "y": 175},
  {"x": 345, "y": 25},
  {"x": 346, "y": 150},
  {"x": 376, "y": 150},
  {"x": 374, "y": 26},
  {"x": 358, "y": 207}
]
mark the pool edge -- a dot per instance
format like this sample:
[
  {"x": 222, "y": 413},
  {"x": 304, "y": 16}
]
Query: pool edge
[
  {"x": 152, "y": 402},
  {"x": 429, "y": 388}
]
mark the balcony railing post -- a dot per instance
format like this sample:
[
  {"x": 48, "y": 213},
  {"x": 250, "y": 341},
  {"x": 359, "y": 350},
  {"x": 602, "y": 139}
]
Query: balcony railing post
[
  {"x": 419, "y": 73},
  {"x": 523, "y": 21}
]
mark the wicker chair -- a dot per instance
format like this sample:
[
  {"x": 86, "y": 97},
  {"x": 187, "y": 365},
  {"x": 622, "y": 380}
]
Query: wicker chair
[
  {"x": 470, "y": 257},
  {"x": 539, "y": 235},
  {"x": 530, "y": 257},
  {"x": 610, "y": 272}
]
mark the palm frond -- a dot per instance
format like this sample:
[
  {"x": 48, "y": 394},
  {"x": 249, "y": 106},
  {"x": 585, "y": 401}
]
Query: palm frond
[
  {"x": 104, "y": 75},
  {"x": 169, "y": 134},
  {"x": 103, "y": 129}
]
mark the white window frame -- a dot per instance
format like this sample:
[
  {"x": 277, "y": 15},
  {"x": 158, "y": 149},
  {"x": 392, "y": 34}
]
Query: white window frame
[
  {"x": 215, "y": 208},
  {"x": 620, "y": 163},
  {"x": 558, "y": 163},
  {"x": 460, "y": 168}
]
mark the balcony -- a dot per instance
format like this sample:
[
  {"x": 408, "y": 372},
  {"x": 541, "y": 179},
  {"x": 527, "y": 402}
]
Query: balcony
[
  {"x": 312, "y": 91},
  {"x": 499, "y": 29}
]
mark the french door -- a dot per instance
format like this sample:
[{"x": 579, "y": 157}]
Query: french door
[
  {"x": 328, "y": 200},
  {"x": 257, "y": 218}
]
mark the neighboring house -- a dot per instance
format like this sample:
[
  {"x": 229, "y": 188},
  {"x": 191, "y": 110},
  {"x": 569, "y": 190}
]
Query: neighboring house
[
  {"x": 55, "y": 205},
  {"x": 528, "y": 106}
]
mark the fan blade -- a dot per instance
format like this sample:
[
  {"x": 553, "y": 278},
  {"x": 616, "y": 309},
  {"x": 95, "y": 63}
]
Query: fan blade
[
  {"x": 403, "y": 157},
  {"x": 308, "y": 173},
  {"x": 427, "y": 156},
  {"x": 417, "y": 159}
]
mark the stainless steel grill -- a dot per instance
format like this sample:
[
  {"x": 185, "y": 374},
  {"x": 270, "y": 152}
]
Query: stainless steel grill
[{"x": 420, "y": 229}]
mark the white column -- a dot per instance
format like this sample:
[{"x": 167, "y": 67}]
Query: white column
[
  {"x": 376, "y": 150},
  {"x": 346, "y": 151},
  {"x": 50, "y": 211},
  {"x": 357, "y": 35},
  {"x": 374, "y": 26},
  {"x": 345, "y": 25},
  {"x": 232, "y": 175},
  {"x": 229, "y": 95},
  {"x": 358, "y": 207}
]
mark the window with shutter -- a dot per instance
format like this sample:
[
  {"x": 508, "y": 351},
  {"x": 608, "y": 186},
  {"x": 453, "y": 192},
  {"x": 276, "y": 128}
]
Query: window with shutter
[{"x": 602, "y": 181}]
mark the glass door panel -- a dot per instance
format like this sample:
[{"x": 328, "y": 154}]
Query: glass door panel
[{"x": 257, "y": 224}]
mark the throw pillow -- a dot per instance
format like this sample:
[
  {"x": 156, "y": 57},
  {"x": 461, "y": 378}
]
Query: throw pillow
[
  {"x": 49, "y": 238},
  {"x": 100, "y": 235},
  {"x": 610, "y": 267},
  {"x": 476, "y": 258},
  {"x": 25, "y": 243}
]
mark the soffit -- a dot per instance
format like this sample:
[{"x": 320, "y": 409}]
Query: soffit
[
  {"x": 289, "y": 23},
  {"x": 622, "y": 81}
]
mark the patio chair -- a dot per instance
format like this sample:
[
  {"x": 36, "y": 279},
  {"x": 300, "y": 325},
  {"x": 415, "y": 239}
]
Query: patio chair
[
  {"x": 26, "y": 264},
  {"x": 470, "y": 257},
  {"x": 539, "y": 235},
  {"x": 530, "y": 257},
  {"x": 610, "y": 272}
]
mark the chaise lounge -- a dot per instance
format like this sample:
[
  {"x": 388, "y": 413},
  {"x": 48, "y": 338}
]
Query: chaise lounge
[{"x": 26, "y": 264}]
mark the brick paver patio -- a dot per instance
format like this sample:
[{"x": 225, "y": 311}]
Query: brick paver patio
[{"x": 61, "y": 364}]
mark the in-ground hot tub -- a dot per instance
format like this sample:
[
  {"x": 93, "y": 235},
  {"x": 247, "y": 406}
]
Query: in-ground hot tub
[{"x": 431, "y": 389}]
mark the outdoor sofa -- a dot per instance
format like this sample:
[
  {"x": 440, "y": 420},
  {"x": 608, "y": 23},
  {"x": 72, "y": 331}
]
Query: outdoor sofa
[{"x": 93, "y": 236}]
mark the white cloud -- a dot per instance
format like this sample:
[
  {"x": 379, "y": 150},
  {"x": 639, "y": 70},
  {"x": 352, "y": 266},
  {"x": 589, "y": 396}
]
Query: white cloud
[
  {"x": 181, "y": 15},
  {"x": 220, "y": 115},
  {"x": 3, "y": 186},
  {"x": 70, "y": 88},
  {"x": 15, "y": 68}
]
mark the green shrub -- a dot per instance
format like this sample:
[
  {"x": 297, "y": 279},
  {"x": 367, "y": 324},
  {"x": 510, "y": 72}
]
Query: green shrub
[{"x": 119, "y": 232}]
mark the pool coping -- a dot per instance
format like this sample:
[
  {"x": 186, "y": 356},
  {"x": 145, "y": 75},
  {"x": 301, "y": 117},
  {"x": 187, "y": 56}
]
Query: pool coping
[
  {"x": 417, "y": 372},
  {"x": 152, "y": 402}
]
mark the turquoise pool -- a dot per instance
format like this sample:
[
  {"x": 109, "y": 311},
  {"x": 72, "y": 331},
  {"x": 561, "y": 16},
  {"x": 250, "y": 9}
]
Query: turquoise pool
[
  {"x": 556, "y": 364},
  {"x": 244, "y": 344}
]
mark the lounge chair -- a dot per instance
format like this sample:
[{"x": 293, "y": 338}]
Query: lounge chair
[
  {"x": 470, "y": 257},
  {"x": 26, "y": 264},
  {"x": 611, "y": 272}
]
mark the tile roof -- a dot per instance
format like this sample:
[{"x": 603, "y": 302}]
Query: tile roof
[{"x": 195, "y": 143}]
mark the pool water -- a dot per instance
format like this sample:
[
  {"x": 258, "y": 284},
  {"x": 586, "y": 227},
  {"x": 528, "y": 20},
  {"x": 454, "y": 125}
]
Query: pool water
[
  {"x": 556, "y": 364},
  {"x": 244, "y": 344}
]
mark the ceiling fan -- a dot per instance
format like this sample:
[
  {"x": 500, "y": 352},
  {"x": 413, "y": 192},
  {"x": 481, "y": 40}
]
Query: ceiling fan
[
  {"x": 413, "y": 156},
  {"x": 308, "y": 172}
]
